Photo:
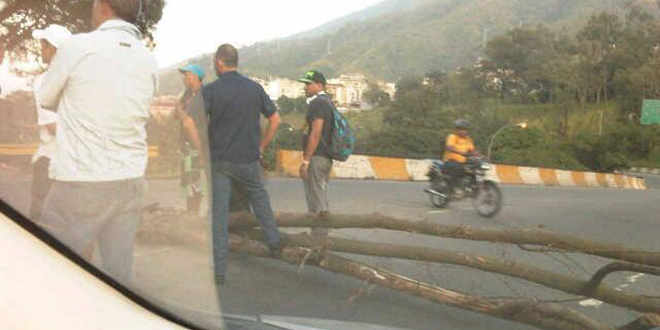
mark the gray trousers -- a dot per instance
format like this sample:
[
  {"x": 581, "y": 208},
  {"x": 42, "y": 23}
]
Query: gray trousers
[
  {"x": 316, "y": 184},
  {"x": 40, "y": 186},
  {"x": 81, "y": 214}
]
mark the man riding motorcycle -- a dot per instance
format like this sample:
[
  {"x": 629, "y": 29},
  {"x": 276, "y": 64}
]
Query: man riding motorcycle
[{"x": 459, "y": 147}]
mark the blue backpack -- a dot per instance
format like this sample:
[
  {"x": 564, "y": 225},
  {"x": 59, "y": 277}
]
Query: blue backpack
[{"x": 342, "y": 138}]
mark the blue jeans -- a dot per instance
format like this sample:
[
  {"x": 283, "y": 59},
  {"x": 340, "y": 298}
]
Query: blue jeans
[{"x": 251, "y": 177}]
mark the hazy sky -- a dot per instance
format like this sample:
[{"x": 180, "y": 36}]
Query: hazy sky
[{"x": 193, "y": 27}]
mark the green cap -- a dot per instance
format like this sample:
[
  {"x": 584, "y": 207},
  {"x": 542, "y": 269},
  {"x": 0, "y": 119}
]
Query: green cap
[{"x": 312, "y": 76}]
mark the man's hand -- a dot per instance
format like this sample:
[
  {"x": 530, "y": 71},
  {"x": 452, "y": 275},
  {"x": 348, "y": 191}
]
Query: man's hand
[{"x": 304, "y": 171}]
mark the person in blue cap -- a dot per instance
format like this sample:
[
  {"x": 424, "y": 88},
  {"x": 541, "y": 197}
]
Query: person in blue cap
[{"x": 190, "y": 111}]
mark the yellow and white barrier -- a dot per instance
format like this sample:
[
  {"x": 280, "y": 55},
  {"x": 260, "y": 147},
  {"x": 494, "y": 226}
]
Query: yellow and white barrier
[
  {"x": 398, "y": 169},
  {"x": 30, "y": 149}
]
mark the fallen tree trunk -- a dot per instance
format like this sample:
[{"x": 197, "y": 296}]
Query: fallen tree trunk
[
  {"x": 646, "y": 322},
  {"x": 511, "y": 236},
  {"x": 510, "y": 268},
  {"x": 540, "y": 315}
]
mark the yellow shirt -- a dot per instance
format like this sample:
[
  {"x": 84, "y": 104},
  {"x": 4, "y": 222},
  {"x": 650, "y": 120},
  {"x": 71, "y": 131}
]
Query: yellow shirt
[{"x": 462, "y": 144}]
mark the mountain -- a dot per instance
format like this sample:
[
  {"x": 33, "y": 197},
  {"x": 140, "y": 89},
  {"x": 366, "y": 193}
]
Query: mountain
[
  {"x": 396, "y": 38},
  {"x": 381, "y": 8}
]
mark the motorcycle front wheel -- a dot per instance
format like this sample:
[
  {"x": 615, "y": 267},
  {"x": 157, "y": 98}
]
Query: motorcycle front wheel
[{"x": 488, "y": 200}]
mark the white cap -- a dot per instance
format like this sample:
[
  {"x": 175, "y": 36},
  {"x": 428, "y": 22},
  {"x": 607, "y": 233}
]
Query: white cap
[{"x": 54, "y": 34}]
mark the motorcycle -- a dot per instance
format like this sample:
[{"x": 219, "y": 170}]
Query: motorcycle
[{"x": 485, "y": 194}]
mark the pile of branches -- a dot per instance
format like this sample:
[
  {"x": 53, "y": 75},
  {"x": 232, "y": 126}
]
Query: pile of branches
[{"x": 312, "y": 250}]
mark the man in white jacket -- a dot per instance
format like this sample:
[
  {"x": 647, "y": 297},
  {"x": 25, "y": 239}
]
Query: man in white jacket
[{"x": 102, "y": 84}]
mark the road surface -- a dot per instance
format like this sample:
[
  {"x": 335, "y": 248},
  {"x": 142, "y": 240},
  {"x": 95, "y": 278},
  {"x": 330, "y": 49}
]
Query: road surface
[{"x": 180, "y": 276}]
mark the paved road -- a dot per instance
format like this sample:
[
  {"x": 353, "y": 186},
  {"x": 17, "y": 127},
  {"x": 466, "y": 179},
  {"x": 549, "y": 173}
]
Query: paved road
[
  {"x": 180, "y": 275},
  {"x": 269, "y": 287},
  {"x": 652, "y": 181}
]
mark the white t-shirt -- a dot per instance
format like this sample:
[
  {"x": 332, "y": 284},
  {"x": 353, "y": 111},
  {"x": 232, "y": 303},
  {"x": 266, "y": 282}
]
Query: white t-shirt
[
  {"x": 101, "y": 84},
  {"x": 47, "y": 145}
]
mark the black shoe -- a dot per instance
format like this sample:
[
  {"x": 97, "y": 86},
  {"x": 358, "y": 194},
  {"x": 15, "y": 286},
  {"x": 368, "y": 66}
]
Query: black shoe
[
  {"x": 276, "y": 252},
  {"x": 324, "y": 215}
]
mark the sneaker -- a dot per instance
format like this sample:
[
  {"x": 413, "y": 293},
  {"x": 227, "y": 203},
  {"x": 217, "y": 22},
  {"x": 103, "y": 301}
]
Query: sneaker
[{"x": 324, "y": 215}]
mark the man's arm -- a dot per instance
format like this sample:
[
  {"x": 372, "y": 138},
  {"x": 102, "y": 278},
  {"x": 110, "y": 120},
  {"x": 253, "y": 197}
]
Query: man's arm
[
  {"x": 312, "y": 143},
  {"x": 269, "y": 111},
  {"x": 314, "y": 139},
  {"x": 273, "y": 123},
  {"x": 57, "y": 76},
  {"x": 454, "y": 150},
  {"x": 191, "y": 131}
]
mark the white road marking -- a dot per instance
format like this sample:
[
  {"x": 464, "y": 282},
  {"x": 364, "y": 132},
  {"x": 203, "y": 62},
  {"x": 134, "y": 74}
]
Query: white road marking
[
  {"x": 591, "y": 303},
  {"x": 634, "y": 278}
]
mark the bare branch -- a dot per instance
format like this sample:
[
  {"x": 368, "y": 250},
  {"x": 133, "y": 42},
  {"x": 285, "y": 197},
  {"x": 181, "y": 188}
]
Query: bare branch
[
  {"x": 510, "y": 268},
  {"x": 646, "y": 322},
  {"x": 619, "y": 267},
  {"x": 543, "y": 316},
  {"x": 510, "y": 236}
]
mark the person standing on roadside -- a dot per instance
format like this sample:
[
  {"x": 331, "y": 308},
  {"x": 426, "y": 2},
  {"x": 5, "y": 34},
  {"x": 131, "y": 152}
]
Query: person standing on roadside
[
  {"x": 234, "y": 104},
  {"x": 50, "y": 39},
  {"x": 101, "y": 84},
  {"x": 317, "y": 163},
  {"x": 195, "y": 147}
]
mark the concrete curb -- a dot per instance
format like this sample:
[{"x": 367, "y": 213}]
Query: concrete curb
[{"x": 399, "y": 169}]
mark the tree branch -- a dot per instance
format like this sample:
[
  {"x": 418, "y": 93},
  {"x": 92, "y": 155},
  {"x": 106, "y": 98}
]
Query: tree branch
[
  {"x": 510, "y": 236},
  {"x": 10, "y": 9},
  {"x": 618, "y": 267},
  {"x": 543, "y": 316},
  {"x": 529, "y": 273},
  {"x": 646, "y": 322}
]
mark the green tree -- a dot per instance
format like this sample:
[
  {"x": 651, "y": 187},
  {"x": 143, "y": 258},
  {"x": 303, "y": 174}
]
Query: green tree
[
  {"x": 377, "y": 96},
  {"x": 286, "y": 104},
  {"x": 524, "y": 53},
  {"x": 637, "y": 56},
  {"x": 599, "y": 40},
  {"x": 18, "y": 18}
]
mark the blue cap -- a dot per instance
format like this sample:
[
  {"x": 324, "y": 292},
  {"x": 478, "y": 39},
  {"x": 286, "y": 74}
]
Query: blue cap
[{"x": 194, "y": 68}]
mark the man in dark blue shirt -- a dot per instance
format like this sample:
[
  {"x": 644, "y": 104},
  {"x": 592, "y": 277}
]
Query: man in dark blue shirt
[{"x": 234, "y": 104}]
